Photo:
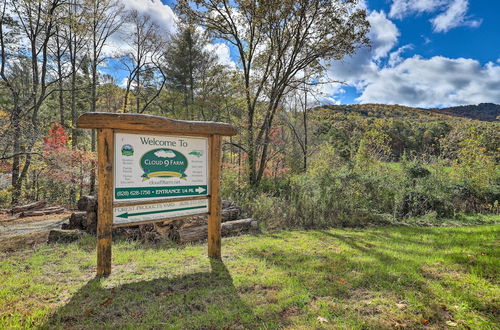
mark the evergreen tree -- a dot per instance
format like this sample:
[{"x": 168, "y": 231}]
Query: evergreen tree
[{"x": 187, "y": 60}]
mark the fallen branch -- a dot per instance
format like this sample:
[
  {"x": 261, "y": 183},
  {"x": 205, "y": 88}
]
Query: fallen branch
[
  {"x": 51, "y": 210},
  {"x": 31, "y": 206}
]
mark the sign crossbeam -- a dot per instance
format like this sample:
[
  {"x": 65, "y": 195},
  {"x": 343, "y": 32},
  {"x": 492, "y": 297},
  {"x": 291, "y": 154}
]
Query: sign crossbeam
[
  {"x": 153, "y": 168},
  {"x": 127, "y": 215}
]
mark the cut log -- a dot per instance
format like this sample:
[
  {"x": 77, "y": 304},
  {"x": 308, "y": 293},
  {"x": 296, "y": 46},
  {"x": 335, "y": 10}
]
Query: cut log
[
  {"x": 27, "y": 207},
  {"x": 190, "y": 234},
  {"x": 243, "y": 225},
  {"x": 41, "y": 212},
  {"x": 64, "y": 236},
  {"x": 77, "y": 220},
  {"x": 87, "y": 203},
  {"x": 231, "y": 213}
]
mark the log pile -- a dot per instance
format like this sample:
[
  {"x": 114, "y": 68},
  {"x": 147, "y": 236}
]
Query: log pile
[
  {"x": 36, "y": 209},
  {"x": 187, "y": 230},
  {"x": 28, "y": 207},
  {"x": 45, "y": 211},
  {"x": 195, "y": 229}
]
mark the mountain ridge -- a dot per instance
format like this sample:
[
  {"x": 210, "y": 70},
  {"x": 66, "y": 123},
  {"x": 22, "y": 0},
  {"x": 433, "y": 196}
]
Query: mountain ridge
[
  {"x": 489, "y": 112},
  {"x": 481, "y": 111}
]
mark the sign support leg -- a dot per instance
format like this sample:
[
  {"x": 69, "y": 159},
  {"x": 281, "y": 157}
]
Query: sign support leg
[
  {"x": 214, "y": 219},
  {"x": 105, "y": 146}
]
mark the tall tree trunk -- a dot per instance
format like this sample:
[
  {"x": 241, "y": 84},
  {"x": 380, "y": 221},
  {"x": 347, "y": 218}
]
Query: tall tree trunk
[
  {"x": 137, "y": 102},
  {"x": 305, "y": 129},
  {"x": 16, "y": 160},
  {"x": 93, "y": 102},
  {"x": 60, "y": 76},
  {"x": 74, "y": 114},
  {"x": 252, "y": 170}
]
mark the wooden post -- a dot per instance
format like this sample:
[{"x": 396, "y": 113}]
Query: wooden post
[
  {"x": 214, "y": 218},
  {"x": 105, "y": 146}
]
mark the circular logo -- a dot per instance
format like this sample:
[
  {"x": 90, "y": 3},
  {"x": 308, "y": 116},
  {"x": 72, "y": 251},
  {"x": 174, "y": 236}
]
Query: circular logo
[{"x": 127, "y": 150}]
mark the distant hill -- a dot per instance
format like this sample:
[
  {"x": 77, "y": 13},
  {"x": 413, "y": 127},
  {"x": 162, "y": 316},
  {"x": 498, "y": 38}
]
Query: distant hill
[
  {"x": 381, "y": 111},
  {"x": 483, "y": 111}
]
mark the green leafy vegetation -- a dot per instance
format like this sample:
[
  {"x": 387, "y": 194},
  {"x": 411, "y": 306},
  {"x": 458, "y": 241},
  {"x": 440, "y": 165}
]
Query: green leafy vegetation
[
  {"x": 376, "y": 164},
  {"x": 382, "y": 277}
]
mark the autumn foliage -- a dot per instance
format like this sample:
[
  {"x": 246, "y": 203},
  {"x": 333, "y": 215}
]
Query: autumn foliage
[
  {"x": 57, "y": 139},
  {"x": 66, "y": 166}
]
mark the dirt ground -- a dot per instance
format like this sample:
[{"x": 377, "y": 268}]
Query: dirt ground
[{"x": 17, "y": 233}]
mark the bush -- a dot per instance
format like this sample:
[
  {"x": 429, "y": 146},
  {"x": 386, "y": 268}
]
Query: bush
[
  {"x": 5, "y": 197},
  {"x": 365, "y": 189}
]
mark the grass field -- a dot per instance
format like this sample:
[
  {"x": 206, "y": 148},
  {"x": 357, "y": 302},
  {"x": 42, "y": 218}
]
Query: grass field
[{"x": 384, "y": 277}]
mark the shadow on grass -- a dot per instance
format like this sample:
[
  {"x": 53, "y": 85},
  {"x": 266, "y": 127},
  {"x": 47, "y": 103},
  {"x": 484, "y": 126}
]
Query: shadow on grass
[
  {"x": 379, "y": 266},
  {"x": 204, "y": 299}
]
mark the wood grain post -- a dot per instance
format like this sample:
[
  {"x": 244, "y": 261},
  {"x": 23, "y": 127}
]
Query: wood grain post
[
  {"x": 105, "y": 152},
  {"x": 214, "y": 218}
]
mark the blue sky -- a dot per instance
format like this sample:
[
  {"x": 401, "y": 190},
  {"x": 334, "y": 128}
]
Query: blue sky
[
  {"x": 479, "y": 41},
  {"x": 427, "y": 53}
]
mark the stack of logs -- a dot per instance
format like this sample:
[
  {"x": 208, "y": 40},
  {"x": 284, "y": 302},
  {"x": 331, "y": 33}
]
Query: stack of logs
[
  {"x": 36, "y": 209},
  {"x": 187, "y": 230},
  {"x": 196, "y": 229}
]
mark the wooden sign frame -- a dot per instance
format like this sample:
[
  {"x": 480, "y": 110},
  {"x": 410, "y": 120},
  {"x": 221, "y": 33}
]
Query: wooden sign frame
[{"x": 107, "y": 124}]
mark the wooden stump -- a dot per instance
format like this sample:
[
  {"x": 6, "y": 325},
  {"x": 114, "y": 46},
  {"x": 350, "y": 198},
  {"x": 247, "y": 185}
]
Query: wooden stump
[
  {"x": 87, "y": 203},
  {"x": 77, "y": 220}
]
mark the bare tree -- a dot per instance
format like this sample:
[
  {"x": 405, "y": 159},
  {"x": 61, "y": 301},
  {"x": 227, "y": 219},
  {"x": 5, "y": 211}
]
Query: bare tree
[
  {"x": 24, "y": 70},
  {"x": 144, "y": 61},
  {"x": 104, "y": 19},
  {"x": 59, "y": 48},
  {"x": 76, "y": 36},
  {"x": 275, "y": 41}
]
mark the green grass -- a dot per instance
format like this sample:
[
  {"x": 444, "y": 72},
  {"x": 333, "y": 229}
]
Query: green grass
[{"x": 384, "y": 277}]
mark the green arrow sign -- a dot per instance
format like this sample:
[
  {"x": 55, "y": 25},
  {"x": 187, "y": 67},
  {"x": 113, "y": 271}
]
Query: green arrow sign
[{"x": 126, "y": 215}]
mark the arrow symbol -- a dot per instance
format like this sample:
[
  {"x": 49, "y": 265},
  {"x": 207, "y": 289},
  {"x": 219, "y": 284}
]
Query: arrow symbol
[
  {"x": 126, "y": 215},
  {"x": 200, "y": 190}
]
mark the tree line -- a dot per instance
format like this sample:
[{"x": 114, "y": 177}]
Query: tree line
[{"x": 53, "y": 55}]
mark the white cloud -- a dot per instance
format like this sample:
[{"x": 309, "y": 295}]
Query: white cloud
[
  {"x": 123, "y": 83},
  {"x": 165, "y": 18},
  {"x": 453, "y": 17},
  {"x": 165, "y": 153},
  {"x": 223, "y": 54},
  {"x": 395, "y": 57},
  {"x": 160, "y": 13},
  {"x": 450, "y": 13},
  {"x": 402, "y": 8},
  {"x": 383, "y": 33},
  {"x": 438, "y": 81},
  {"x": 382, "y": 75},
  {"x": 384, "y": 37}
]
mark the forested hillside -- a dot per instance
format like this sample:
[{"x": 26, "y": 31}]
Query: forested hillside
[{"x": 483, "y": 111}]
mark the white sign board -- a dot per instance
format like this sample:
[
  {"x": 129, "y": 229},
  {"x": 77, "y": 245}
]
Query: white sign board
[
  {"x": 159, "y": 167},
  {"x": 158, "y": 211}
]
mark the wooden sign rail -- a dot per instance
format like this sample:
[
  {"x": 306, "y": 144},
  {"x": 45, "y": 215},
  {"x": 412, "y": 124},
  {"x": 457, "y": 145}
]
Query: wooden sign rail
[{"x": 152, "y": 169}]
